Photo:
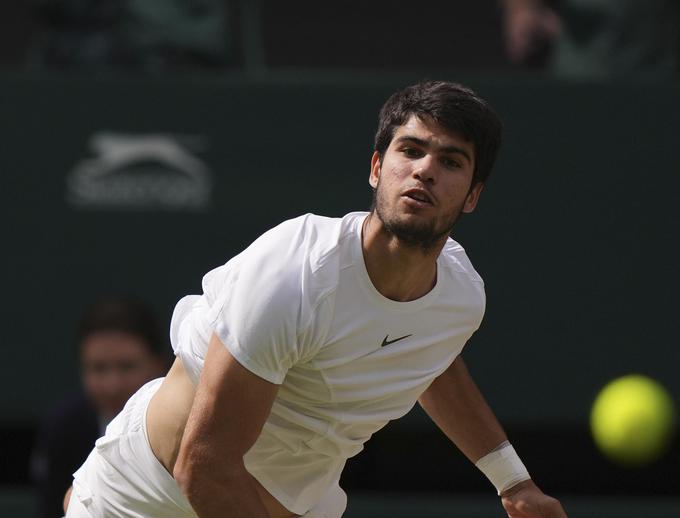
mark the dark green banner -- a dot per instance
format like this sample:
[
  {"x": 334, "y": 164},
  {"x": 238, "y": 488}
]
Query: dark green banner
[{"x": 143, "y": 186}]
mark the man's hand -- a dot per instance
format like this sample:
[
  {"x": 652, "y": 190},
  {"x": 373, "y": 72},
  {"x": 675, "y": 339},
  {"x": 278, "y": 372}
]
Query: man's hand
[{"x": 525, "y": 500}]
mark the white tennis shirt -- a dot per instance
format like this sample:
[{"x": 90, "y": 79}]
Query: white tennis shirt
[{"x": 298, "y": 308}]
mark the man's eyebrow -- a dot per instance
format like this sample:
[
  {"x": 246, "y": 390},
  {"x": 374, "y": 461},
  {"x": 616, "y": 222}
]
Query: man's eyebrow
[{"x": 427, "y": 144}]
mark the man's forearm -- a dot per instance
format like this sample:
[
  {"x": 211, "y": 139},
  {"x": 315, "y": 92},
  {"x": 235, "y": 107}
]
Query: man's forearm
[
  {"x": 215, "y": 494},
  {"x": 456, "y": 405}
]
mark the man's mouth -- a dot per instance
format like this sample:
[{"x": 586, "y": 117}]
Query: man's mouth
[{"x": 419, "y": 195}]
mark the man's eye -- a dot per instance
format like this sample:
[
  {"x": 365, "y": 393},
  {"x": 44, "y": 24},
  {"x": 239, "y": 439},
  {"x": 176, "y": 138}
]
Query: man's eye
[
  {"x": 450, "y": 162},
  {"x": 412, "y": 152},
  {"x": 127, "y": 366},
  {"x": 97, "y": 368}
]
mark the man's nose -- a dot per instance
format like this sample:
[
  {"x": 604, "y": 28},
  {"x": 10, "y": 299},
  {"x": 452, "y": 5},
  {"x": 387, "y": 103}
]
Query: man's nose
[
  {"x": 112, "y": 382},
  {"x": 425, "y": 169}
]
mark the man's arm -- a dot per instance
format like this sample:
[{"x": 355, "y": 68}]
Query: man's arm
[
  {"x": 229, "y": 410},
  {"x": 456, "y": 405}
]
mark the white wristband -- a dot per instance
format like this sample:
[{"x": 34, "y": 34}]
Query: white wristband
[{"x": 503, "y": 467}]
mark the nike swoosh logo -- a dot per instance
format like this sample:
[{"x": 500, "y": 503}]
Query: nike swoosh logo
[{"x": 388, "y": 342}]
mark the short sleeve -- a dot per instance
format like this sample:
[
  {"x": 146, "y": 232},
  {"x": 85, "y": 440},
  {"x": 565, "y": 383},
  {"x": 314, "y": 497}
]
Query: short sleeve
[{"x": 259, "y": 320}]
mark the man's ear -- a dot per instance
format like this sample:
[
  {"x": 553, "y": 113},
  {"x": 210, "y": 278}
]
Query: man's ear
[
  {"x": 375, "y": 170},
  {"x": 473, "y": 197}
]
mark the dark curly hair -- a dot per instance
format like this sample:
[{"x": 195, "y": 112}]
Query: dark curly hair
[{"x": 452, "y": 106}]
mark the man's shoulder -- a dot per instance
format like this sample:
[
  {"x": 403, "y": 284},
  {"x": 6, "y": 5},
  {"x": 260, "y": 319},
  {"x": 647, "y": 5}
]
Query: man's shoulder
[
  {"x": 455, "y": 259},
  {"x": 289, "y": 241},
  {"x": 299, "y": 252},
  {"x": 311, "y": 225},
  {"x": 318, "y": 236},
  {"x": 319, "y": 227},
  {"x": 72, "y": 406},
  {"x": 73, "y": 414},
  {"x": 307, "y": 246}
]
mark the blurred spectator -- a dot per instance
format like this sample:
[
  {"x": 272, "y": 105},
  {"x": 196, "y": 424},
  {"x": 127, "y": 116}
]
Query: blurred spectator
[
  {"x": 120, "y": 347},
  {"x": 146, "y": 35},
  {"x": 595, "y": 38}
]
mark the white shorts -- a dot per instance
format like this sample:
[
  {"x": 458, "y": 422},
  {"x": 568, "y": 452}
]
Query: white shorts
[{"x": 123, "y": 478}]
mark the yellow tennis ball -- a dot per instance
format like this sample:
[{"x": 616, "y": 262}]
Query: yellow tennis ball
[{"x": 632, "y": 420}]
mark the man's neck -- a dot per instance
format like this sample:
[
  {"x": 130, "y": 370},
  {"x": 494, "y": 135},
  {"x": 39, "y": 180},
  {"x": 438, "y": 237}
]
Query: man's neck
[{"x": 398, "y": 271}]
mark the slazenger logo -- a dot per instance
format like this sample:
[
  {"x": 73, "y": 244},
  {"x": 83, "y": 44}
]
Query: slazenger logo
[{"x": 141, "y": 171}]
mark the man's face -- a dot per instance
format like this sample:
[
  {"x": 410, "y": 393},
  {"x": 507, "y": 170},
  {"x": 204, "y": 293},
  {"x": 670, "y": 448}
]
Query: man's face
[
  {"x": 114, "y": 365},
  {"x": 424, "y": 182}
]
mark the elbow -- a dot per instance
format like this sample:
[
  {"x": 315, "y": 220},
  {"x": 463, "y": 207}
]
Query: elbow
[
  {"x": 188, "y": 472},
  {"x": 196, "y": 479},
  {"x": 183, "y": 475},
  {"x": 191, "y": 481}
]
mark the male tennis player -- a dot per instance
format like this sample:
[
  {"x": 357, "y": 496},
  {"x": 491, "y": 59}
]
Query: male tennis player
[{"x": 317, "y": 335}]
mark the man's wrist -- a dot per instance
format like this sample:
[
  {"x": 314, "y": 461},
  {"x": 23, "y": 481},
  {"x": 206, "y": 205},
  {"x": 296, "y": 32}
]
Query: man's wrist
[
  {"x": 503, "y": 467},
  {"x": 508, "y": 492}
]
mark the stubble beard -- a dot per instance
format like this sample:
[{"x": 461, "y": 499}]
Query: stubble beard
[{"x": 424, "y": 236}]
